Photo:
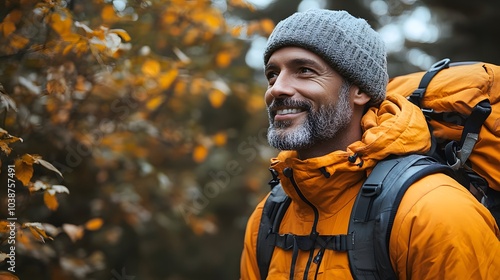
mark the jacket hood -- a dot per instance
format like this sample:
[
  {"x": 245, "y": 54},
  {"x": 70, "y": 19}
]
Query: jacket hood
[{"x": 396, "y": 127}]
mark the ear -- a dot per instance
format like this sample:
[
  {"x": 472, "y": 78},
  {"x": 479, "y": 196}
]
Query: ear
[{"x": 359, "y": 98}]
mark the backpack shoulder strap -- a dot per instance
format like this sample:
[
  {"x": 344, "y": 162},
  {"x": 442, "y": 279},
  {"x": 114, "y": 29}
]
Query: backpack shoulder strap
[
  {"x": 375, "y": 209},
  {"x": 274, "y": 209}
]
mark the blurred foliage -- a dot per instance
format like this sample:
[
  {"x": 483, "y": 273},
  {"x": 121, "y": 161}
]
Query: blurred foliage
[
  {"x": 126, "y": 111},
  {"x": 135, "y": 132}
]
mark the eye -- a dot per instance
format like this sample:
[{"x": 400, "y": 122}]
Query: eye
[
  {"x": 305, "y": 70},
  {"x": 271, "y": 76}
]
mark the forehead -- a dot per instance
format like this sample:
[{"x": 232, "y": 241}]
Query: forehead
[{"x": 287, "y": 54}]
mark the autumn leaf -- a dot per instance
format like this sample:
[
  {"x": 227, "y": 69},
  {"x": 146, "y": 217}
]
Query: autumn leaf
[
  {"x": 200, "y": 152},
  {"x": 74, "y": 232},
  {"x": 18, "y": 42},
  {"x": 154, "y": 102},
  {"x": 7, "y": 28},
  {"x": 37, "y": 231},
  {"x": 108, "y": 14},
  {"x": 56, "y": 87},
  {"x": 61, "y": 24},
  {"x": 217, "y": 98},
  {"x": 4, "y": 147},
  {"x": 15, "y": 16},
  {"x": 94, "y": 224},
  {"x": 4, "y": 226},
  {"x": 242, "y": 4},
  {"x": 122, "y": 33},
  {"x": 166, "y": 79},
  {"x": 151, "y": 68},
  {"x": 220, "y": 139},
  {"x": 267, "y": 26},
  {"x": 213, "y": 19},
  {"x": 50, "y": 201},
  {"x": 24, "y": 168},
  {"x": 223, "y": 58},
  {"x": 236, "y": 30}
]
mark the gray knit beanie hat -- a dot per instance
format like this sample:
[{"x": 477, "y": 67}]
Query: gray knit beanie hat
[{"x": 349, "y": 45}]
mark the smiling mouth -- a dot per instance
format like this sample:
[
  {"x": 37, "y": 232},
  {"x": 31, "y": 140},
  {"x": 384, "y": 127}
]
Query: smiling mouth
[{"x": 288, "y": 111}]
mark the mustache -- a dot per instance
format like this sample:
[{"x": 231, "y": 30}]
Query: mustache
[{"x": 292, "y": 103}]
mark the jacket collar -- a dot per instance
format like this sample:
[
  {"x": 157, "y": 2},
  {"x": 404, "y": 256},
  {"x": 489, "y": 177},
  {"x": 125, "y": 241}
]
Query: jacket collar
[{"x": 329, "y": 182}]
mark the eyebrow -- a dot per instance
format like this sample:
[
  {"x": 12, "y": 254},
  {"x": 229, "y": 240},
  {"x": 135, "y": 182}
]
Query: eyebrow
[{"x": 296, "y": 62}]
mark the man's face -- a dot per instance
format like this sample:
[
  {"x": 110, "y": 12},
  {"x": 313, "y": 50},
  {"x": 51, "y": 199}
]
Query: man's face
[{"x": 308, "y": 102}]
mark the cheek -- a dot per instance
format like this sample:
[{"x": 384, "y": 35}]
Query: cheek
[{"x": 268, "y": 98}]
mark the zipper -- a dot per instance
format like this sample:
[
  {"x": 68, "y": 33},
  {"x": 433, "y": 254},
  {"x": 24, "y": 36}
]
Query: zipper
[{"x": 288, "y": 172}]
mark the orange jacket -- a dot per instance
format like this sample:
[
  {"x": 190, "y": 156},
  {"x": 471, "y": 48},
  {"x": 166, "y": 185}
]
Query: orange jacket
[{"x": 440, "y": 230}]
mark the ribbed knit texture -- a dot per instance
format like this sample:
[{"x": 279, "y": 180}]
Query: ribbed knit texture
[{"x": 348, "y": 44}]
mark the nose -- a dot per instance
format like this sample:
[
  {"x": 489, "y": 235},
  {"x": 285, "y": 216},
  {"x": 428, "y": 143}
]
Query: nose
[{"x": 281, "y": 87}]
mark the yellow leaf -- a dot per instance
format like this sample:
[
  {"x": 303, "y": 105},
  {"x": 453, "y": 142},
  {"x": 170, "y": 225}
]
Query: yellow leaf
[
  {"x": 200, "y": 152},
  {"x": 15, "y": 16},
  {"x": 62, "y": 25},
  {"x": 166, "y": 79},
  {"x": 4, "y": 147},
  {"x": 74, "y": 232},
  {"x": 151, "y": 68},
  {"x": 220, "y": 139},
  {"x": 169, "y": 18},
  {"x": 267, "y": 26},
  {"x": 217, "y": 98},
  {"x": 8, "y": 28},
  {"x": 223, "y": 58},
  {"x": 4, "y": 227},
  {"x": 197, "y": 86},
  {"x": 108, "y": 14},
  {"x": 94, "y": 224},
  {"x": 18, "y": 42},
  {"x": 122, "y": 33},
  {"x": 50, "y": 201},
  {"x": 154, "y": 102},
  {"x": 180, "y": 88},
  {"x": 236, "y": 30},
  {"x": 191, "y": 35},
  {"x": 241, "y": 4},
  {"x": 24, "y": 168},
  {"x": 213, "y": 19},
  {"x": 37, "y": 231}
]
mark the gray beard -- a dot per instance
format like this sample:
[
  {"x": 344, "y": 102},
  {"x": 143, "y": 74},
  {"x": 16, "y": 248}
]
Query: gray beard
[{"x": 320, "y": 125}]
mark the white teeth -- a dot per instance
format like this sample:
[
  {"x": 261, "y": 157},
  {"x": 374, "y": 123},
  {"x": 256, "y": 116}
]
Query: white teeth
[{"x": 288, "y": 111}]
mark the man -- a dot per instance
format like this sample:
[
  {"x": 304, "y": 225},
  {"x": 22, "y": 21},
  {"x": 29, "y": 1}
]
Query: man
[{"x": 330, "y": 118}]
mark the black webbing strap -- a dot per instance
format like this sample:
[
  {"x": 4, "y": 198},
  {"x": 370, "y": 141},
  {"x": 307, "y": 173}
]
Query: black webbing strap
[
  {"x": 272, "y": 214},
  {"x": 417, "y": 96},
  {"x": 458, "y": 153},
  {"x": 475, "y": 121},
  {"x": 339, "y": 242}
]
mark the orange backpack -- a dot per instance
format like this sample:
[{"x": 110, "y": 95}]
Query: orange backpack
[{"x": 461, "y": 102}]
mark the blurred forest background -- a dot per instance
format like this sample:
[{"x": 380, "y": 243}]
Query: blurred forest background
[{"x": 135, "y": 129}]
